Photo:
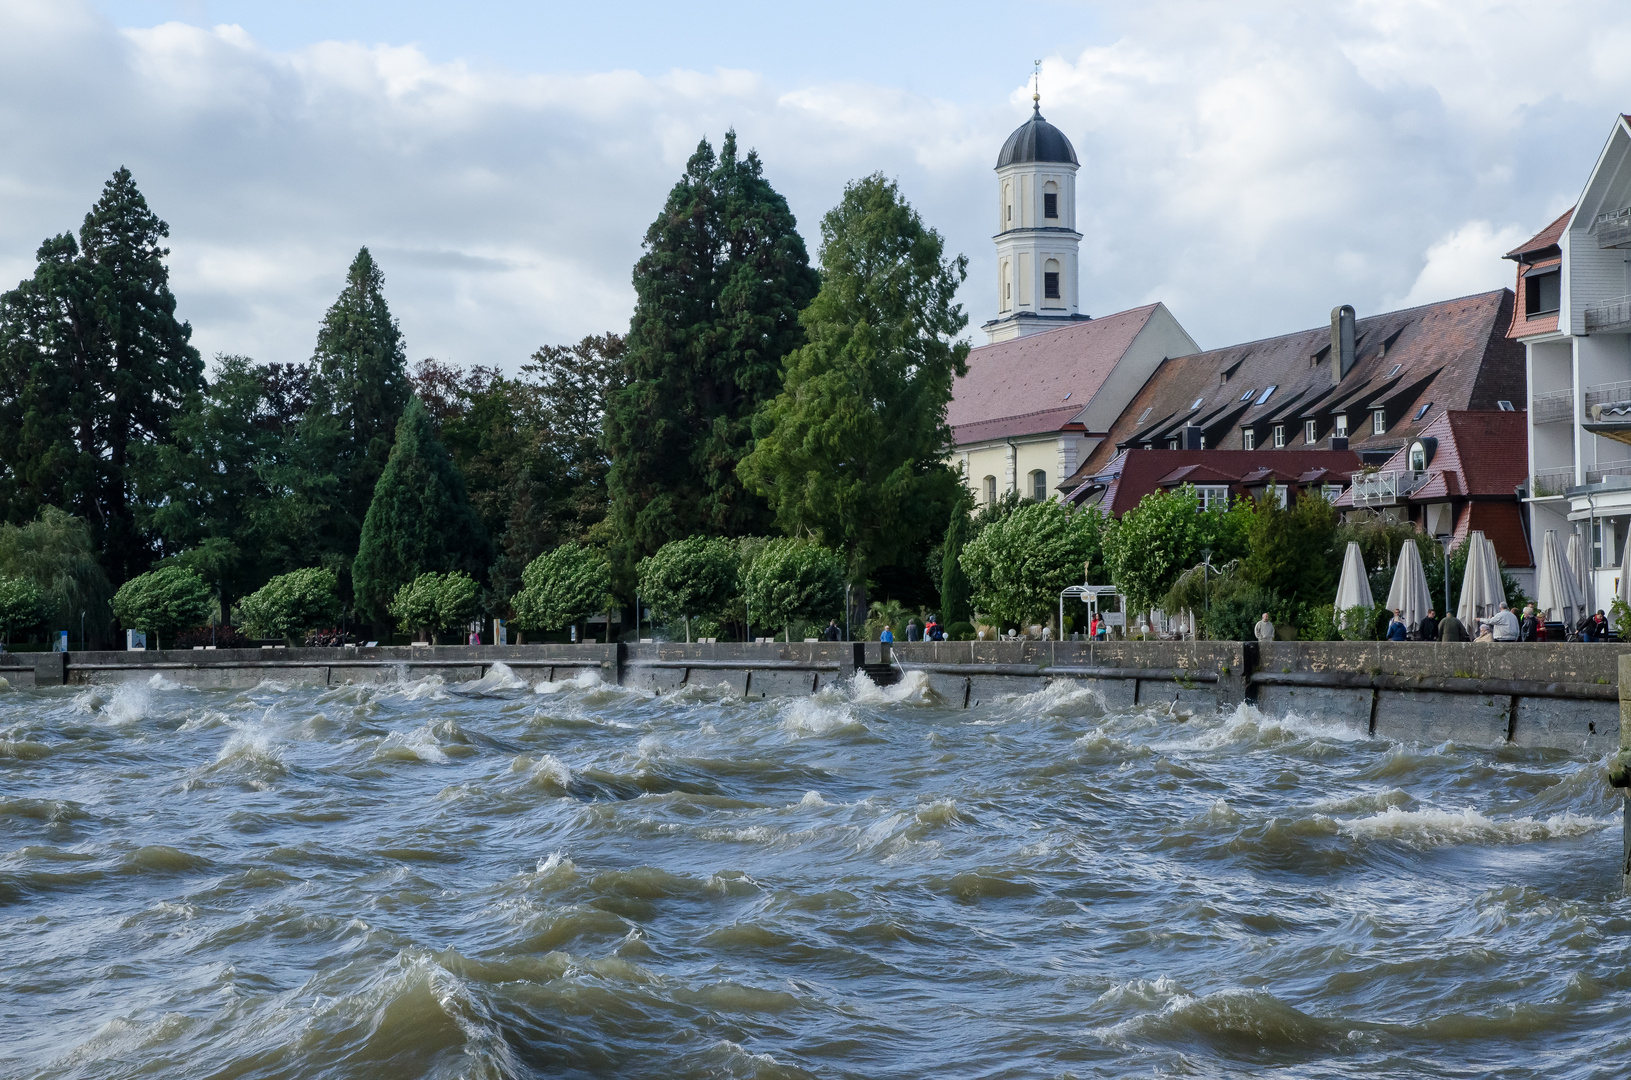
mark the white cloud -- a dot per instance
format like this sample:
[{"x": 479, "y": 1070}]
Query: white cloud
[{"x": 1252, "y": 164}]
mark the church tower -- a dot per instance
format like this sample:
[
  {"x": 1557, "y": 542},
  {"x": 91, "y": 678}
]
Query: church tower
[{"x": 1036, "y": 231}]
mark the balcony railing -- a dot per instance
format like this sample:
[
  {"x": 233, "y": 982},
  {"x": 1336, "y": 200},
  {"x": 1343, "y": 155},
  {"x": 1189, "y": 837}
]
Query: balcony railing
[
  {"x": 1609, "y": 315},
  {"x": 1387, "y": 487},
  {"x": 1551, "y": 481},
  {"x": 1554, "y": 407},
  {"x": 1612, "y": 393},
  {"x": 1613, "y": 229},
  {"x": 1595, "y": 474}
]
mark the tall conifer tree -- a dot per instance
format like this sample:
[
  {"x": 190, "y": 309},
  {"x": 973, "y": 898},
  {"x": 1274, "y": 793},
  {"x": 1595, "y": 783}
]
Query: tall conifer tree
[
  {"x": 93, "y": 364},
  {"x": 420, "y": 520},
  {"x": 718, "y": 293},
  {"x": 360, "y": 379}
]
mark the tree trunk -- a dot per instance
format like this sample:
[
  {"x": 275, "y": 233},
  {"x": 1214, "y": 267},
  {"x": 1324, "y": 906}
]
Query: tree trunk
[{"x": 857, "y": 610}]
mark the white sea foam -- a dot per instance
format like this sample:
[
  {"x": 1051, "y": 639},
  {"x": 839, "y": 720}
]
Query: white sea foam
[
  {"x": 498, "y": 679},
  {"x": 812, "y": 799},
  {"x": 417, "y": 745},
  {"x": 913, "y": 689},
  {"x": 583, "y": 680},
  {"x": 1433, "y": 828},
  {"x": 813, "y": 716}
]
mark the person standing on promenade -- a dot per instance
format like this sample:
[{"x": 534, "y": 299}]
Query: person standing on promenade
[
  {"x": 1427, "y": 629},
  {"x": 888, "y": 634},
  {"x": 913, "y": 631},
  {"x": 1450, "y": 628},
  {"x": 1529, "y": 625},
  {"x": 833, "y": 632},
  {"x": 1396, "y": 629},
  {"x": 1264, "y": 630}
]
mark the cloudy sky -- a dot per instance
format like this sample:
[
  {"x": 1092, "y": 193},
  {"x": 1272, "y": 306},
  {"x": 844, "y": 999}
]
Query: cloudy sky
[{"x": 1250, "y": 164}]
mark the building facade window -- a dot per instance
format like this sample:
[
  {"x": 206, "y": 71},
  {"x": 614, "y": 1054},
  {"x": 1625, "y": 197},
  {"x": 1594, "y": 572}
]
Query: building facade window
[
  {"x": 1311, "y": 432},
  {"x": 1050, "y": 284},
  {"x": 1341, "y": 429},
  {"x": 1279, "y": 436},
  {"x": 1418, "y": 458},
  {"x": 990, "y": 490},
  {"x": 1248, "y": 439},
  {"x": 1378, "y": 422},
  {"x": 1213, "y": 497},
  {"x": 1039, "y": 486},
  {"x": 1542, "y": 294},
  {"x": 1050, "y": 203},
  {"x": 1332, "y": 492}
]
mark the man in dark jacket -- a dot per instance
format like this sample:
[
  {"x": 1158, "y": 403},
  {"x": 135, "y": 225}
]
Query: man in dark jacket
[
  {"x": 833, "y": 632},
  {"x": 1450, "y": 629},
  {"x": 1427, "y": 629},
  {"x": 1529, "y": 625}
]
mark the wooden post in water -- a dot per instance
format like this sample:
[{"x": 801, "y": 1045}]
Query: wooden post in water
[{"x": 1619, "y": 773}]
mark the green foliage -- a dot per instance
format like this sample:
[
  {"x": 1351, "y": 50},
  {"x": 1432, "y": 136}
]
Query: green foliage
[
  {"x": 421, "y": 520},
  {"x": 1318, "y": 622},
  {"x": 21, "y": 606},
  {"x": 955, "y": 603},
  {"x": 850, "y": 450},
  {"x": 890, "y": 613},
  {"x": 1293, "y": 551},
  {"x": 360, "y": 379},
  {"x": 163, "y": 602},
  {"x": 1236, "y": 610},
  {"x": 1018, "y": 565},
  {"x": 436, "y": 602},
  {"x": 55, "y": 553},
  {"x": 293, "y": 603},
  {"x": 993, "y": 512},
  {"x": 960, "y": 631},
  {"x": 793, "y": 579},
  {"x": 717, "y": 299},
  {"x": 1363, "y": 623},
  {"x": 1165, "y": 534},
  {"x": 93, "y": 366},
  {"x": 561, "y": 587},
  {"x": 697, "y": 576}
]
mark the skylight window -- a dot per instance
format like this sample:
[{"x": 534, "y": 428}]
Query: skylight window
[
  {"x": 1265, "y": 395},
  {"x": 1247, "y": 395},
  {"x": 1505, "y": 406},
  {"x": 1197, "y": 404},
  {"x": 1145, "y": 415},
  {"x": 1421, "y": 412},
  {"x": 1395, "y": 370}
]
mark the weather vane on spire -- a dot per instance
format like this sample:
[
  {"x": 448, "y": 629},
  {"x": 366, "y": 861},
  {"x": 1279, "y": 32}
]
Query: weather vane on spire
[{"x": 1036, "y": 90}]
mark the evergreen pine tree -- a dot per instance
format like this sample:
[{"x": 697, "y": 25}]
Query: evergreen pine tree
[
  {"x": 93, "y": 365},
  {"x": 420, "y": 520},
  {"x": 360, "y": 378},
  {"x": 718, "y": 293},
  {"x": 851, "y": 449},
  {"x": 954, "y": 589}
]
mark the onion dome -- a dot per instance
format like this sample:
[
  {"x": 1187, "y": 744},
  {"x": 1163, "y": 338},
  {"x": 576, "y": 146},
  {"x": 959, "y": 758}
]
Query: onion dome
[{"x": 1036, "y": 140}]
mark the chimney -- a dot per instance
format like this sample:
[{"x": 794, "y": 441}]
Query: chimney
[{"x": 1342, "y": 342}]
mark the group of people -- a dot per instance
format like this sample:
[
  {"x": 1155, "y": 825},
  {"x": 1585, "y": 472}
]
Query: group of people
[
  {"x": 929, "y": 630},
  {"x": 1504, "y": 625}
]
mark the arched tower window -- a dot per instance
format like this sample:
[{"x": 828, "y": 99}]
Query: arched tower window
[
  {"x": 1050, "y": 279},
  {"x": 1050, "y": 199}
]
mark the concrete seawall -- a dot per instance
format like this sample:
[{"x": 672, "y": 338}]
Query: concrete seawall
[{"x": 1558, "y": 695}]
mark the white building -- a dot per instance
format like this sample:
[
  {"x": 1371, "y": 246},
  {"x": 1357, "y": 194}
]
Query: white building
[
  {"x": 1573, "y": 315},
  {"x": 1041, "y": 395}
]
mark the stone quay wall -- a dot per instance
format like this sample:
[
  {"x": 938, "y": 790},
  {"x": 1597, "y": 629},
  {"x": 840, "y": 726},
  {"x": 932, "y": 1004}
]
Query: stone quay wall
[{"x": 1552, "y": 695}]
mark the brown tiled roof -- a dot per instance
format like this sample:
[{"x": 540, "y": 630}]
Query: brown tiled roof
[
  {"x": 1502, "y": 522},
  {"x": 1546, "y": 238},
  {"x": 1133, "y": 474},
  {"x": 1030, "y": 376},
  {"x": 1195, "y": 474},
  {"x": 1009, "y": 426},
  {"x": 1487, "y": 451},
  {"x": 1449, "y": 355}
]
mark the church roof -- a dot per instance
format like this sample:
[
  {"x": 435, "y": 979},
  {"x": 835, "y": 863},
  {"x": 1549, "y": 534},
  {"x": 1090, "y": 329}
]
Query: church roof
[{"x": 1036, "y": 140}]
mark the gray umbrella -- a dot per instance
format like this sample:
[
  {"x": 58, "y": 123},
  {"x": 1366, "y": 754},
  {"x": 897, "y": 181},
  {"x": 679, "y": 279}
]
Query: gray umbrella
[
  {"x": 1479, "y": 598},
  {"x": 1557, "y": 594},
  {"x": 1578, "y": 566},
  {"x": 1409, "y": 591}
]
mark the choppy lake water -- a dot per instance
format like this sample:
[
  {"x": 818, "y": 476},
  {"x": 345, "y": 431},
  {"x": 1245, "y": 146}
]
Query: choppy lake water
[{"x": 500, "y": 880}]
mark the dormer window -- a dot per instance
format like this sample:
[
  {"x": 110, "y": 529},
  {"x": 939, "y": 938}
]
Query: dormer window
[
  {"x": 1418, "y": 458},
  {"x": 1311, "y": 432},
  {"x": 1542, "y": 292},
  {"x": 1248, "y": 439},
  {"x": 1341, "y": 422},
  {"x": 1279, "y": 436},
  {"x": 1378, "y": 422}
]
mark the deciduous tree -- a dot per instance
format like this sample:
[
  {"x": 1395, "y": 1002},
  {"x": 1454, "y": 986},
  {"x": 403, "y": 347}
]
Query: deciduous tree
[
  {"x": 692, "y": 577},
  {"x": 291, "y": 604},
  {"x": 163, "y": 602},
  {"x": 562, "y": 586},
  {"x": 1018, "y": 566},
  {"x": 793, "y": 579}
]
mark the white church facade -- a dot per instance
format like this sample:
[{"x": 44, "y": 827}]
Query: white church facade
[{"x": 1044, "y": 390}]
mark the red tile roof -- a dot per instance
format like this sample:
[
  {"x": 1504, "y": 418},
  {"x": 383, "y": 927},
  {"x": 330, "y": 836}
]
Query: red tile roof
[
  {"x": 1546, "y": 238},
  {"x": 1487, "y": 451},
  {"x": 1133, "y": 474},
  {"x": 1009, "y": 426},
  {"x": 1503, "y": 524},
  {"x": 1034, "y": 375}
]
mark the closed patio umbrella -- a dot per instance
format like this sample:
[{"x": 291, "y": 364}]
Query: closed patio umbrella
[
  {"x": 1492, "y": 565},
  {"x": 1578, "y": 564},
  {"x": 1557, "y": 594},
  {"x": 1409, "y": 590},
  {"x": 1353, "y": 590},
  {"x": 1479, "y": 599}
]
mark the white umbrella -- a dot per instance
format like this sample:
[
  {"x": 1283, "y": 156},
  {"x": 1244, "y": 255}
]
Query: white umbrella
[
  {"x": 1577, "y": 562},
  {"x": 1354, "y": 588},
  {"x": 1479, "y": 598},
  {"x": 1557, "y": 594},
  {"x": 1492, "y": 565},
  {"x": 1409, "y": 590}
]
